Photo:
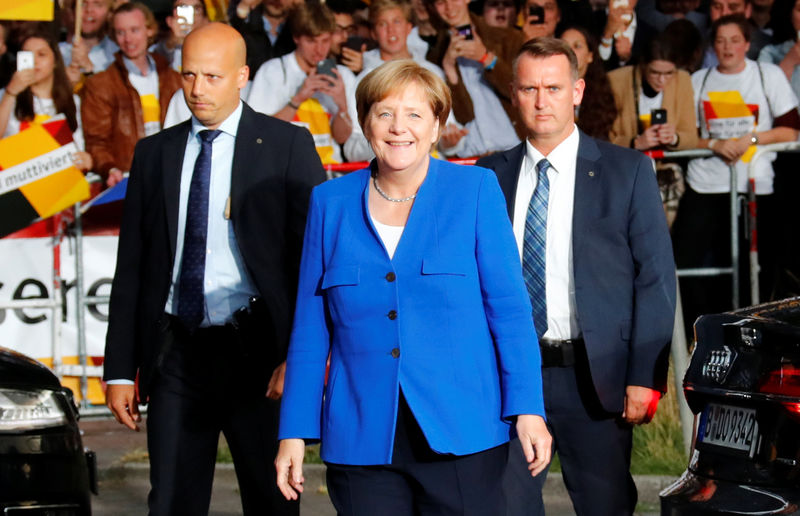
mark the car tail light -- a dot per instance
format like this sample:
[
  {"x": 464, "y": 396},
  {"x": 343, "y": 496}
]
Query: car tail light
[
  {"x": 783, "y": 380},
  {"x": 29, "y": 409}
]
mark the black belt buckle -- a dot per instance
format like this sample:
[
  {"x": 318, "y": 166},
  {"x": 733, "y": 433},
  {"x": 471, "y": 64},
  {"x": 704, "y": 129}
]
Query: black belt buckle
[{"x": 558, "y": 353}]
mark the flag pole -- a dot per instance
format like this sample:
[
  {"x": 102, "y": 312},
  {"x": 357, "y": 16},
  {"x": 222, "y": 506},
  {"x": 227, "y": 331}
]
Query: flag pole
[{"x": 76, "y": 38}]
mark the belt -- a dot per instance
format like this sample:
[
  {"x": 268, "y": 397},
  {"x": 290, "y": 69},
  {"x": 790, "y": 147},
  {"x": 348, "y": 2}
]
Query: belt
[{"x": 558, "y": 353}]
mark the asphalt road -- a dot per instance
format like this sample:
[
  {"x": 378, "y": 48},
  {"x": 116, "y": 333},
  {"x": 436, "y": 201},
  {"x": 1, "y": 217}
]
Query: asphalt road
[{"x": 124, "y": 484}]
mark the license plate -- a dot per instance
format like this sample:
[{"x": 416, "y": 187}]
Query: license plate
[{"x": 730, "y": 427}]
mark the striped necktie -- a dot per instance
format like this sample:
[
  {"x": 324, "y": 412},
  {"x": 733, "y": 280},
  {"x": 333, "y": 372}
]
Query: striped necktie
[{"x": 534, "y": 248}]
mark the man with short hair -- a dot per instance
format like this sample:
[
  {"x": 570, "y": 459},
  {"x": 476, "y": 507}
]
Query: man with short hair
[
  {"x": 597, "y": 260},
  {"x": 291, "y": 88},
  {"x": 344, "y": 15},
  {"x": 262, "y": 24},
  {"x": 93, "y": 50},
  {"x": 719, "y": 8},
  {"x": 203, "y": 294},
  {"x": 476, "y": 60},
  {"x": 129, "y": 100}
]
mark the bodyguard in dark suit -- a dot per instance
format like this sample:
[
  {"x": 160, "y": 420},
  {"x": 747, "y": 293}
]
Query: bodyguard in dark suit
[
  {"x": 591, "y": 231},
  {"x": 205, "y": 283}
]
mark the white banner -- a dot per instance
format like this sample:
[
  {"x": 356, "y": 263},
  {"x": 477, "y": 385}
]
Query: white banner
[{"x": 28, "y": 274}]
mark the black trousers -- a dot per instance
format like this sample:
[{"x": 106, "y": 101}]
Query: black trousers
[
  {"x": 594, "y": 448},
  {"x": 419, "y": 481},
  {"x": 204, "y": 387}
]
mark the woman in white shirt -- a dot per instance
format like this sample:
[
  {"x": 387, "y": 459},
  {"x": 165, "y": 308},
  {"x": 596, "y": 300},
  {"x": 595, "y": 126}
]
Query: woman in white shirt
[{"x": 34, "y": 95}]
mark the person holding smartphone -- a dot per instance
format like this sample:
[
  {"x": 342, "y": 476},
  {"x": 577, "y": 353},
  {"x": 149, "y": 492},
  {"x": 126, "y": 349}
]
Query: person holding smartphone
[
  {"x": 654, "y": 105},
  {"x": 541, "y": 18},
  {"x": 305, "y": 87},
  {"x": 186, "y": 16},
  {"x": 39, "y": 90}
]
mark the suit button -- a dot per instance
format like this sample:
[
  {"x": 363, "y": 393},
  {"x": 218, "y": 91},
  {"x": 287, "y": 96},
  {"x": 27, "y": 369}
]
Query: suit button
[
  {"x": 392, "y": 315},
  {"x": 390, "y": 277},
  {"x": 396, "y": 352}
]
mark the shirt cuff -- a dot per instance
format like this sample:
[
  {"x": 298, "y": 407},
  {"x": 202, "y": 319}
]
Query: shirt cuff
[{"x": 119, "y": 381}]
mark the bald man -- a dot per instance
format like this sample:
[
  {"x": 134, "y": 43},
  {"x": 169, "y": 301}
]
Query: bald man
[{"x": 203, "y": 295}]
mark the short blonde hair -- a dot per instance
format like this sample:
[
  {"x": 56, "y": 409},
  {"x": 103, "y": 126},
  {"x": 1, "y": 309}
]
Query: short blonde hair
[
  {"x": 149, "y": 19},
  {"x": 395, "y": 76},
  {"x": 379, "y": 6}
]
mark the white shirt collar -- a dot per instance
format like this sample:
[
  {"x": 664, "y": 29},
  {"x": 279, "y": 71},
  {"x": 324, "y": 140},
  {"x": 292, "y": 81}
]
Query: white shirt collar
[
  {"x": 229, "y": 126},
  {"x": 559, "y": 158}
]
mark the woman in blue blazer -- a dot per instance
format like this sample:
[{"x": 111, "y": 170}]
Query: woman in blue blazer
[{"x": 410, "y": 281}]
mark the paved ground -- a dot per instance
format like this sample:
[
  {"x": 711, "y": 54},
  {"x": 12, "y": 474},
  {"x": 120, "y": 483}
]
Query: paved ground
[{"x": 124, "y": 481}]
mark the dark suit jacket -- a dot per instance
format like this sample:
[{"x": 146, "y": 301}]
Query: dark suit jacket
[
  {"x": 644, "y": 33},
  {"x": 275, "y": 166},
  {"x": 259, "y": 46},
  {"x": 622, "y": 264}
]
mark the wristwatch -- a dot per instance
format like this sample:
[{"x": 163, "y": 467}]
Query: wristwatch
[{"x": 754, "y": 139}]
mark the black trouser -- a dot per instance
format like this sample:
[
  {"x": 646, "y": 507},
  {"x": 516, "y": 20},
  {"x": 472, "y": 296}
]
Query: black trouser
[
  {"x": 594, "y": 448},
  {"x": 204, "y": 387},
  {"x": 419, "y": 481},
  {"x": 701, "y": 238}
]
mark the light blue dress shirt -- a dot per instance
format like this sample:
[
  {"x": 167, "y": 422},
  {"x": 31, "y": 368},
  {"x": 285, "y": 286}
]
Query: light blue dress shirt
[{"x": 227, "y": 284}]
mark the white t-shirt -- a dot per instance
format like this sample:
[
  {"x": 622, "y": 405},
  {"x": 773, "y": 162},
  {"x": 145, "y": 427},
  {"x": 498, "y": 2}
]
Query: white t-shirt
[
  {"x": 43, "y": 109},
  {"x": 279, "y": 79},
  {"x": 733, "y": 105},
  {"x": 648, "y": 104}
]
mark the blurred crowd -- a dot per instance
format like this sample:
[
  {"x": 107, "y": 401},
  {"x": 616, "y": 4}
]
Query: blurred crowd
[{"x": 660, "y": 75}]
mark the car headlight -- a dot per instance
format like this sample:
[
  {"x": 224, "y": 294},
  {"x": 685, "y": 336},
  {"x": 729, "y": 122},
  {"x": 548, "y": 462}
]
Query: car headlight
[{"x": 30, "y": 409}]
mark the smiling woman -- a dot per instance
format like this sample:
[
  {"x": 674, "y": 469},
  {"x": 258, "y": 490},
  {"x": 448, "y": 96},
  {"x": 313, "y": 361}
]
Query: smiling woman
[{"x": 411, "y": 283}]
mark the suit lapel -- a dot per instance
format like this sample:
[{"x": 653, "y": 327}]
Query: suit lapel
[
  {"x": 508, "y": 175},
  {"x": 248, "y": 149},
  {"x": 588, "y": 173},
  {"x": 172, "y": 154}
]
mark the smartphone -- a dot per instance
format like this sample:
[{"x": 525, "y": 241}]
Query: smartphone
[
  {"x": 326, "y": 67},
  {"x": 535, "y": 15},
  {"x": 185, "y": 14},
  {"x": 619, "y": 3},
  {"x": 658, "y": 116},
  {"x": 465, "y": 30},
  {"x": 355, "y": 43},
  {"x": 24, "y": 60}
]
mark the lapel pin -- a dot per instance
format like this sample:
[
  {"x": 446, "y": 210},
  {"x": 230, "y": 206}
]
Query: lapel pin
[
  {"x": 591, "y": 173},
  {"x": 258, "y": 140}
]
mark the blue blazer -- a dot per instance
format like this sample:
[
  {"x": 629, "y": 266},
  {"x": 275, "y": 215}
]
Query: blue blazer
[
  {"x": 622, "y": 264},
  {"x": 448, "y": 319}
]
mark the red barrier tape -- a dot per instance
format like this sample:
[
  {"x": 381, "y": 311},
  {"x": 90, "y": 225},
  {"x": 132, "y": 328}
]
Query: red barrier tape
[{"x": 358, "y": 165}]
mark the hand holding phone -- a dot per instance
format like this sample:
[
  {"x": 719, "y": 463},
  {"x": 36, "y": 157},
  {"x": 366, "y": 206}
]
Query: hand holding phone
[
  {"x": 185, "y": 15},
  {"x": 535, "y": 15},
  {"x": 24, "y": 60},
  {"x": 326, "y": 66},
  {"x": 465, "y": 30}
]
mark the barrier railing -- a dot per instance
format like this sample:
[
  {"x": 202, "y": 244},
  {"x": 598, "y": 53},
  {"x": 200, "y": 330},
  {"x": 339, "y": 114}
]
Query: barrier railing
[{"x": 54, "y": 302}]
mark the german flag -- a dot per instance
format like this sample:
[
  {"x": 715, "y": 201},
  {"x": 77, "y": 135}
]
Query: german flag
[
  {"x": 39, "y": 10},
  {"x": 37, "y": 177}
]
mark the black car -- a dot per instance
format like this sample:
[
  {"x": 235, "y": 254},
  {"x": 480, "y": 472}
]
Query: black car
[
  {"x": 743, "y": 384},
  {"x": 44, "y": 469}
]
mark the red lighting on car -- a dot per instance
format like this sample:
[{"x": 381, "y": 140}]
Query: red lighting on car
[{"x": 784, "y": 380}]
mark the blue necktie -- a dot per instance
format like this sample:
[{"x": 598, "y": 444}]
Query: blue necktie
[
  {"x": 534, "y": 248},
  {"x": 191, "y": 298}
]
